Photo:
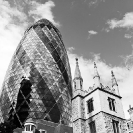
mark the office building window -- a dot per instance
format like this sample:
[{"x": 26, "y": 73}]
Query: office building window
[
  {"x": 90, "y": 105},
  {"x": 111, "y": 103},
  {"x": 115, "y": 126},
  {"x": 92, "y": 127}
]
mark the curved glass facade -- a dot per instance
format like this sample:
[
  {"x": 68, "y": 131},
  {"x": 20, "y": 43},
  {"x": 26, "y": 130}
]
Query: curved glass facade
[{"x": 46, "y": 91}]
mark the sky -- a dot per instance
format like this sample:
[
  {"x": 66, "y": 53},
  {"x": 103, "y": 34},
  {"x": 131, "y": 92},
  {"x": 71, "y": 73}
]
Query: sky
[{"x": 92, "y": 30}]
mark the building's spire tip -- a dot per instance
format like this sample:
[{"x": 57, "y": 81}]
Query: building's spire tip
[
  {"x": 114, "y": 82},
  {"x": 95, "y": 66},
  {"x": 112, "y": 73},
  {"x": 78, "y": 81},
  {"x": 77, "y": 70},
  {"x": 113, "y": 76},
  {"x": 96, "y": 77},
  {"x": 76, "y": 61},
  {"x": 95, "y": 70}
]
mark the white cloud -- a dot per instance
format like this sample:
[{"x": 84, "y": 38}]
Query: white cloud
[
  {"x": 13, "y": 22},
  {"x": 128, "y": 60},
  {"x": 126, "y": 22},
  {"x": 71, "y": 49},
  {"x": 106, "y": 29},
  {"x": 39, "y": 11},
  {"x": 128, "y": 36},
  {"x": 123, "y": 75},
  {"x": 92, "y": 32},
  {"x": 12, "y": 25},
  {"x": 95, "y": 2}
]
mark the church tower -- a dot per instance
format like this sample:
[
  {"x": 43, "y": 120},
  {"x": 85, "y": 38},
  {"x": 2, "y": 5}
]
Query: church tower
[
  {"x": 78, "y": 80},
  {"x": 100, "y": 109},
  {"x": 78, "y": 102}
]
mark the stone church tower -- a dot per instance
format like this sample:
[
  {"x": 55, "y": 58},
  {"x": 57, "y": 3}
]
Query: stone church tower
[{"x": 98, "y": 110}]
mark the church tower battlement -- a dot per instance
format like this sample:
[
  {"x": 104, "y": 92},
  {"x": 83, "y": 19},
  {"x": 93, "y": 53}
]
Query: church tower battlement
[{"x": 100, "y": 109}]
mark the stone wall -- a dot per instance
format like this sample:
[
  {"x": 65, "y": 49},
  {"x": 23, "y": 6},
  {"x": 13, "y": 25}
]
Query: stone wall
[
  {"x": 78, "y": 110},
  {"x": 96, "y": 104},
  {"x": 108, "y": 123},
  {"x": 103, "y": 123},
  {"x": 104, "y": 103},
  {"x": 79, "y": 126},
  {"x": 99, "y": 122},
  {"x": 78, "y": 115},
  {"x": 75, "y": 108}
]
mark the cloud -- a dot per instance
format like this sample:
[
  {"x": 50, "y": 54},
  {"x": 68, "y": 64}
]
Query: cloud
[
  {"x": 106, "y": 29},
  {"x": 128, "y": 36},
  {"x": 12, "y": 25},
  {"x": 71, "y": 49},
  {"x": 92, "y": 32},
  {"x": 39, "y": 11},
  {"x": 126, "y": 22},
  {"x": 95, "y": 2},
  {"x": 13, "y": 22},
  {"x": 123, "y": 75},
  {"x": 128, "y": 60}
]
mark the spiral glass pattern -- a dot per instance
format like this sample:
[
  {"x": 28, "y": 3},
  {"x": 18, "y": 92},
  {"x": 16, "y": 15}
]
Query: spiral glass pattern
[{"x": 38, "y": 81}]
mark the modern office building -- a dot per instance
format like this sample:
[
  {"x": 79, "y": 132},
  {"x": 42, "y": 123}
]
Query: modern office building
[{"x": 38, "y": 81}]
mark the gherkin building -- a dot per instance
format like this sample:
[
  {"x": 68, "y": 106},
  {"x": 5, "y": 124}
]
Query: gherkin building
[{"x": 38, "y": 80}]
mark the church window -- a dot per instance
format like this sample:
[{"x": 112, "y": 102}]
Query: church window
[
  {"x": 111, "y": 103},
  {"x": 92, "y": 127},
  {"x": 115, "y": 126},
  {"x": 90, "y": 105}
]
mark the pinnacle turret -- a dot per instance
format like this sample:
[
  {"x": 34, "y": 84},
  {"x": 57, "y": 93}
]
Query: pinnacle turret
[
  {"x": 77, "y": 70},
  {"x": 96, "y": 74},
  {"x": 114, "y": 83},
  {"x": 78, "y": 80},
  {"x": 96, "y": 77}
]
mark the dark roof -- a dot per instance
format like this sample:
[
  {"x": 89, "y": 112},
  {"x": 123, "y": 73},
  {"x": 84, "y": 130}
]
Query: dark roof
[
  {"x": 63, "y": 129},
  {"x": 30, "y": 120},
  {"x": 18, "y": 130}
]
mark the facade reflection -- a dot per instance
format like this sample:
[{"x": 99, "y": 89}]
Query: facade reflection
[{"x": 46, "y": 91}]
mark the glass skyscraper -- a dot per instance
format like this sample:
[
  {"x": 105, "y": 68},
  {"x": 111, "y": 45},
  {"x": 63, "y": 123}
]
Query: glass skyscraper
[{"x": 38, "y": 81}]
